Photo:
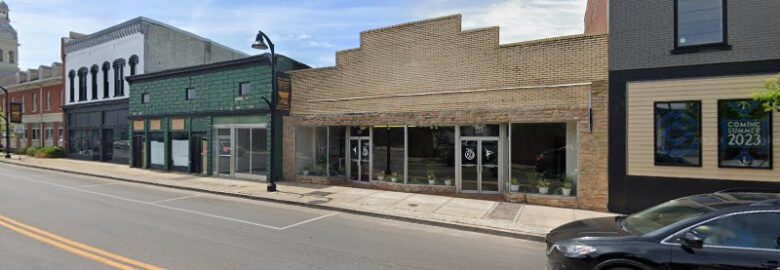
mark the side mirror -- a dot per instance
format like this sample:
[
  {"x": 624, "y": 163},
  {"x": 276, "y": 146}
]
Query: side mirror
[{"x": 692, "y": 240}]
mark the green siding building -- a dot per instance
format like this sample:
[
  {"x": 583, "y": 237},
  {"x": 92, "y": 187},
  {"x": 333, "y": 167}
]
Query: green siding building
[{"x": 209, "y": 119}]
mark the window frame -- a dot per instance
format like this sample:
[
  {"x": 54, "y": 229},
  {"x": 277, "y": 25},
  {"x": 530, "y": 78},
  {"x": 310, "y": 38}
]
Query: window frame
[
  {"x": 771, "y": 145},
  {"x": 145, "y": 98},
  {"x": 187, "y": 92},
  {"x": 655, "y": 135},
  {"x": 723, "y": 45},
  {"x": 241, "y": 88}
]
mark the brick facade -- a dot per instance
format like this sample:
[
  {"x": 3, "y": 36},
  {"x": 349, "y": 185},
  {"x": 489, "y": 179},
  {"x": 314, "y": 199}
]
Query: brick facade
[
  {"x": 433, "y": 73},
  {"x": 597, "y": 17},
  {"x": 42, "y": 109}
]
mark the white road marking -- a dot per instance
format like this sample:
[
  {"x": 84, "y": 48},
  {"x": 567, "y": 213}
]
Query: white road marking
[
  {"x": 309, "y": 220},
  {"x": 96, "y": 185},
  {"x": 175, "y": 199},
  {"x": 154, "y": 204}
]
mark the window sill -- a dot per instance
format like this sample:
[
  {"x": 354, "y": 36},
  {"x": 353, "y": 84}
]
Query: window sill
[{"x": 701, "y": 48}]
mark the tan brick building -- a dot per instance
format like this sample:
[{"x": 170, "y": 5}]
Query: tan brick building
[{"x": 428, "y": 107}]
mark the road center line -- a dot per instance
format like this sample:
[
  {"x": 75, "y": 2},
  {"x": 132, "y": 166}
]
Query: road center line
[
  {"x": 76, "y": 248},
  {"x": 155, "y": 204}
]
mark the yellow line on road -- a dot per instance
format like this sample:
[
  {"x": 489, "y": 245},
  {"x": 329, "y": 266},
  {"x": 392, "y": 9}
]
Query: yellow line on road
[{"x": 76, "y": 248}]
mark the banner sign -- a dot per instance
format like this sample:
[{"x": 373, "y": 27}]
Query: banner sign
[
  {"x": 744, "y": 135},
  {"x": 16, "y": 113},
  {"x": 284, "y": 93}
]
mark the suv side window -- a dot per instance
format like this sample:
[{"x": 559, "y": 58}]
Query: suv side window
[{"x": 748, "y": 230}]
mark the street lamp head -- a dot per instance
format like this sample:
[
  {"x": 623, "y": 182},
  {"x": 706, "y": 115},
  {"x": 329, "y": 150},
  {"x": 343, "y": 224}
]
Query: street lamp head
[{"x": 259, "y": 42}]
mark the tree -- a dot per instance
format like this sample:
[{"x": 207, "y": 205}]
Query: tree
[{"x": 771, "y": 96}]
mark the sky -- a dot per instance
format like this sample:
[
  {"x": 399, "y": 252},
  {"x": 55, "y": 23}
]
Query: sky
[{"x": 309, "y": 31}]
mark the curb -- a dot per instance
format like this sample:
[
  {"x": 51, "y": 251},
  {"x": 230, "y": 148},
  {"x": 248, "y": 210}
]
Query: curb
[{"x": 462, "y": 227}]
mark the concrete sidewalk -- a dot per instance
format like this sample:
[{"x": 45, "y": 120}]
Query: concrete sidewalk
[{"x": 502, "y": 218}]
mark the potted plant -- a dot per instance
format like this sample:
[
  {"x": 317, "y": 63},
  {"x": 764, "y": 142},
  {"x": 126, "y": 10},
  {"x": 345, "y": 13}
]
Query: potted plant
[
  {"x": 543, "y": 185},
  {"x": 448, "y": 181},
  {"x": 514, "y": 185},
  {"x": 431, "y": 177},
  {"x": 394, "y": 177},
  {"x": 307, "y": 169},
  {"x": 566, "y": 188},
  {"x": 380, "y": 176}
]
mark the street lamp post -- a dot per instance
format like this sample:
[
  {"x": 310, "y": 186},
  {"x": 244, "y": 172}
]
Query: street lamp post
[
  {"x": 7, "y": 117},
  {"x": 260, "y": 44}
]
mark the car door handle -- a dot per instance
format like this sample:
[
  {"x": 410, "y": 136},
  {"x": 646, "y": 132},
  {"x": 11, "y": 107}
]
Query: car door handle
[{"x": 774, "y": 265}]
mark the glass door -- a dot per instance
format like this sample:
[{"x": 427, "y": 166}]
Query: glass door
[
  {"x": 479, "y": 165},
  {"x": 224, "y": 151},
  {"x": 359, "y": 156},
  {"x": 469, "y": 166}
]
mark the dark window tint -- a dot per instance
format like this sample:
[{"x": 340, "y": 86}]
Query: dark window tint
[
  {"x": 699, "y": 22},
  {"x": 754, "y": 230},
  {"x": 82, "y": 83},
  {"x": 678, "y": 133},
  {"x": 244, "y": 88},
  {"x": 744, "y": 134},
  {"x": 190, "y": 93},
  {"x": 145, "y": 98}
]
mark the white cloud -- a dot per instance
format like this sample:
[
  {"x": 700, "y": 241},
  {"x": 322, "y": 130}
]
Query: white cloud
[
  {"x": 521, "y": 20},
  {"x": 319, "y": 44}
]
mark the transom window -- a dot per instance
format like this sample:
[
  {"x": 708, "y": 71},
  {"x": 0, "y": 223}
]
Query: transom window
[{"x": 700, "y": 22}]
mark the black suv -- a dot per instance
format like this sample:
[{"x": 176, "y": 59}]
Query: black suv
[{"x": 730, "y": 229}]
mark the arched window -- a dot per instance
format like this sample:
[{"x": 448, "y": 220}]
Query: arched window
[
  {"x": 94, "y": 72},
  {"x": 133, "y": 63},
  {"x": 106, "y": 68},
  {"x": 71, "y": 75},
  {"x": 119, "y": 77},
  {"x": 11, "y": 57},
  {"x": 82, "y": 73},
  {"x": 1, "y": 55}
]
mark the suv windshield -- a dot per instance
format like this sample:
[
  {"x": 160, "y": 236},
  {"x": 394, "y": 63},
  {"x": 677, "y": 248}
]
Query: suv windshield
[{"x": 663, "y": 215}]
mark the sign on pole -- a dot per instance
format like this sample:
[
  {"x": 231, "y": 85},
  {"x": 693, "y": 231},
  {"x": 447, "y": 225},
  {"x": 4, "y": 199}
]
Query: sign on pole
[
  {"x": 284, "y": 93},
  {"x": 16, "y": 113}
]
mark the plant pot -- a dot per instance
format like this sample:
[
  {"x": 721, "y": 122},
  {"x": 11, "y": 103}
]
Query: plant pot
[
  {"x": 448, "y": 182},
  {"x": 394, "y": 179},
  {"x": 514, "y": 188},
  {"x": 431, "y": 181},
  {"x": 380, "y": 178},
  {"x": 544, "y": 190},
  {"x": 305, "y": 172},
  {"x": 566, "y": 191}
]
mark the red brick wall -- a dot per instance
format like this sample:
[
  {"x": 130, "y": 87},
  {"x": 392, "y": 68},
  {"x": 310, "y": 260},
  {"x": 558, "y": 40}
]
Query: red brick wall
[{"x": 597, "y": 17}]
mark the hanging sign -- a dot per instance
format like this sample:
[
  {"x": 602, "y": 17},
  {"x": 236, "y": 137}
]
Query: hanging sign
[
  {"x": 744, "y": 135},
  {"x": 284, "y": 93},
  {"x": 16, "y": 113}
]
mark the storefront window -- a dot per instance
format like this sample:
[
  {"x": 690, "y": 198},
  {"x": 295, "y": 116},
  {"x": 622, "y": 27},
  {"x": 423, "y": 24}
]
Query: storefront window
[
  {"x": 243, "y": 144},
  {"x": 678, "y": 133},
  {"x": 744, "y": 134},
  {"x": 180, "y": 151},
  {"x": 337, "y": 151},
  {"x": 311, "y": 150},
  {"x": 259, "y": 151},
  {"x": 544, "y": 158},
  {"x": 157, "y": 150},
  {"x": 431, "y": 154},
  {"x": 388, "y": 153}
]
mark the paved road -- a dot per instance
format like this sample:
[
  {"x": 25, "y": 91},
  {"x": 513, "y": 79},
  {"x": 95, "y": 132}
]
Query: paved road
[{"x": 176, "y": 229}]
